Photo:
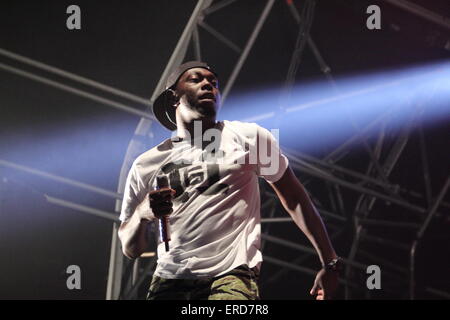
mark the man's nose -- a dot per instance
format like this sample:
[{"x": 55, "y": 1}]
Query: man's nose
[{"x": 206, "y": 85}]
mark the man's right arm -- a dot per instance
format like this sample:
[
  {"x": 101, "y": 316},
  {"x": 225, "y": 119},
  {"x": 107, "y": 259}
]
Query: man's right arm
[{"x": 133, "y": 233}]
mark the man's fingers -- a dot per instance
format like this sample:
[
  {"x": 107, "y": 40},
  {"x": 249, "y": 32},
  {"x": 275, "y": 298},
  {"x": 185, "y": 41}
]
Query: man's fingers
[
  {"x": 161, "y": 193},
  {"x": 320, "y": 295},
  {"x": 161, "y": 205},
  {"x": 160, "y": 196},
  {"x": 156, "y": 207},
  {"x": 167, "y": 199},
  {"x": 161, "y": 202},
  {"x": 167, "y": 191},
  {"x": 314, "y": 289},
  {"x": 164, "y": 212}
]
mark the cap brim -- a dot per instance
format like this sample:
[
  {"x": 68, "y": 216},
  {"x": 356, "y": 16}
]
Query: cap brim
[{"x": 164, "y": 112}]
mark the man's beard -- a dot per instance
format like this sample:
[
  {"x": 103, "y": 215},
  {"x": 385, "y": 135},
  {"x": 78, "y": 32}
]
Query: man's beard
[
  {"x": 207, "y": 110},
  {"x": 204, "y": 108}
]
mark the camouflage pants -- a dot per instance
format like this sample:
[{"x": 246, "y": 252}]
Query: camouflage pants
[{"x": 238, "y": 284}]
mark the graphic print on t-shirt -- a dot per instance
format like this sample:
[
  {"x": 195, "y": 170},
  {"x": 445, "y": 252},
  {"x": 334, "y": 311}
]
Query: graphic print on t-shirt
[{"x": 205, "y": 176}]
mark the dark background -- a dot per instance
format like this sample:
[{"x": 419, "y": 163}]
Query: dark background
[{"x": 127, "y": 45}]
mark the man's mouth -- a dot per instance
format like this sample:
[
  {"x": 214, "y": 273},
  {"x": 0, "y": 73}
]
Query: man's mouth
[{"x": 207, "y": 96}]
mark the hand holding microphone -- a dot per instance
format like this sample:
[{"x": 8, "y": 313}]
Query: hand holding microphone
[{"x": 161, "y": 205}]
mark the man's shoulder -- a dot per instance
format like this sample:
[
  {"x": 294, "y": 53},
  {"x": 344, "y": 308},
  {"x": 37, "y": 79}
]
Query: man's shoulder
[
  {"x": 154, "y": 154},
  {"x": 242, "y": 127},
  {"x": 247, "y": 129},
  {"x": 250, "y": 131}
]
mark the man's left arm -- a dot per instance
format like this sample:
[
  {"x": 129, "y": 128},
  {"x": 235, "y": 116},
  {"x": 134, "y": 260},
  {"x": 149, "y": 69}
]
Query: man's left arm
[{"x": 298, "y": 204}]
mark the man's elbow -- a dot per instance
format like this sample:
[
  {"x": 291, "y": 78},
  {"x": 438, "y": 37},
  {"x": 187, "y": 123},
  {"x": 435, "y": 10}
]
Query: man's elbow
[
  {"x": 125, "y": 242},
  {"x": 128, "y": 251},
  {"x": 130, "y": 254}
]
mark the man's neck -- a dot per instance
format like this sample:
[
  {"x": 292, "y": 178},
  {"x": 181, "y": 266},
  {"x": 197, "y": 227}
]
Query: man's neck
[{"x": 195, "y": 129}]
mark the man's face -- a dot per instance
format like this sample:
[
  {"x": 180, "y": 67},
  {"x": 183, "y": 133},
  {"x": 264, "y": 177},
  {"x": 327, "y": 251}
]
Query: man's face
[{"x": 198, "y": 89}]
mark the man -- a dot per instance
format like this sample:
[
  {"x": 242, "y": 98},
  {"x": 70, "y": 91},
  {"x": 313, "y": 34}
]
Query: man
[{"x": 213, "y": 199}]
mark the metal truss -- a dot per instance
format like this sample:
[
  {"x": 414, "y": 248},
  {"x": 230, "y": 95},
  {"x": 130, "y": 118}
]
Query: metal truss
[
  {"x": 350, "y": 201},
  {"x": 372, "y": 185},
  {"x": 422, "y": 12}
]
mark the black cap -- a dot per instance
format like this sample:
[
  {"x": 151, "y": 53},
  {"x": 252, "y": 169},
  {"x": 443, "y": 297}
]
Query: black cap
[{"x": 162, "y": 107}]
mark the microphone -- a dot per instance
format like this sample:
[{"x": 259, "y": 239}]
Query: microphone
[{"x": 164, "y": 222}]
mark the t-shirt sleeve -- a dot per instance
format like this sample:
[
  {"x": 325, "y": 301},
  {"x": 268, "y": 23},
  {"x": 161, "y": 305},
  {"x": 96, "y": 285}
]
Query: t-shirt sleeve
[
  {"x": 134, "y": 193},
  {"x": 272, "y": 163}
]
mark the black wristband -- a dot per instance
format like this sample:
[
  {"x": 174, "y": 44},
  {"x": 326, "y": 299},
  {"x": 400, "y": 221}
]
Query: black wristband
[{"x": 334, "y": 265}]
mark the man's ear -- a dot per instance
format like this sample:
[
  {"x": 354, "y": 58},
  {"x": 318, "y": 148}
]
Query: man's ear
[{"x": 174, "y": 98}]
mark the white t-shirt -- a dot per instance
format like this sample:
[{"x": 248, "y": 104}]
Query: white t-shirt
[{"x": 215, "y": 224}]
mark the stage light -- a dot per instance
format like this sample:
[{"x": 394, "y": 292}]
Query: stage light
[{"x": 319, "y": 115}]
